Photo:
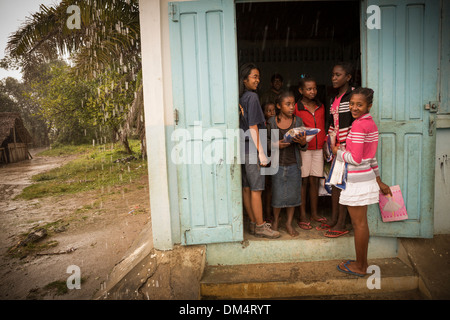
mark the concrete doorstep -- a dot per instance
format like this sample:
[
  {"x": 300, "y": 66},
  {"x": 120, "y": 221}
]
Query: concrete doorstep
[{"x": 305, "y": 279}]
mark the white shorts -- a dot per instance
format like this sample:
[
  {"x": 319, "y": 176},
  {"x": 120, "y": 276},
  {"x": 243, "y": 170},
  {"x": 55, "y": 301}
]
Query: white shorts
[{"x": 312, "y": 163}]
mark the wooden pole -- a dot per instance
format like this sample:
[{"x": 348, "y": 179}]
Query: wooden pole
[{"x": 15, "y": 145}]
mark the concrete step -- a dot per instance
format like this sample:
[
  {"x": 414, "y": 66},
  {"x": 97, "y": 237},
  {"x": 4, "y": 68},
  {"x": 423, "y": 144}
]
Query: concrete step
[
  {"x": 310, "y": 245},
  {"x": 303, "y": 279}
]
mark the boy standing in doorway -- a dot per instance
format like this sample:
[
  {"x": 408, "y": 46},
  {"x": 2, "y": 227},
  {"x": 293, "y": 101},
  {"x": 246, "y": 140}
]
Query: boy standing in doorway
[{"x": 276, "y": 84}]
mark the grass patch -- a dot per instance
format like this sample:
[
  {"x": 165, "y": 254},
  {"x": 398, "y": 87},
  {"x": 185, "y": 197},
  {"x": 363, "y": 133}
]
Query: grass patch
[
  {"x": 94, "y": 169},
  {"x": 32, "y": 248},
  {"x": 58, "y": 150},
  {"x": 59, "y": 286}
]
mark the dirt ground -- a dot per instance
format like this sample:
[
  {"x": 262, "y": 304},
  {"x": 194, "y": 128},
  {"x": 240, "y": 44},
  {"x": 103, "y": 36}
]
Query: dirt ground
[{"x": 95, "y": 232}]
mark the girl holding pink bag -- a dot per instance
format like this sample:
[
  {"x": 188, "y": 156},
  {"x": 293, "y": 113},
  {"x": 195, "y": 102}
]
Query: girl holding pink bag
[{"x": 363, "y": 179}]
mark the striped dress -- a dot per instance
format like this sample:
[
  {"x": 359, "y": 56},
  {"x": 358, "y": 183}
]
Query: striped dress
[{"x": 362, "y": 142}]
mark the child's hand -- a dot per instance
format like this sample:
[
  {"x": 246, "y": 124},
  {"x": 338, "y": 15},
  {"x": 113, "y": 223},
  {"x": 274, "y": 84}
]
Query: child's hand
[
  {"x": 335, "y": 149},
  {"x": 300, "y": 138},
  {"x": 384, "y": 187},
  {"x": 263, "y": 161},
  {"x": 282, "y": 145}
]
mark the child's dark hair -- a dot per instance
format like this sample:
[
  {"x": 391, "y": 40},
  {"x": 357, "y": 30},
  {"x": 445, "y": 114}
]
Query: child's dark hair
[
  {"x": 244, "y": 72},
  {"x": 304, "y": 79},
  {"x": 266, "y": 104},
  {"x": 283, "y": 95},
  {"x": 302, "y": 82},
  {"x": 348, "y": 67},
  {"x": 276, "y": 76},
  {"x": 366, "y": 92}
]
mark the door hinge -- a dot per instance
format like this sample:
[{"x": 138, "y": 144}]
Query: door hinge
[
  {"x": 173, "y": 12},
  {"x": 176, "y": 116}
]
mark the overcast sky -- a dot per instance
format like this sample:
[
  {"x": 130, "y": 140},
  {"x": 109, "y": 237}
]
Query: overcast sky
[{"x": 12, "y": 14}]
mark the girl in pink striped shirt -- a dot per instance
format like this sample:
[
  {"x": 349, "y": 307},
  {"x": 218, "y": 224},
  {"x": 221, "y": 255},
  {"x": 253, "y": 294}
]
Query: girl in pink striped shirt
[{"x": 363, "y": 178}]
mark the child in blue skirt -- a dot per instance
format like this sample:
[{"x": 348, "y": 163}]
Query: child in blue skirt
[{"x": 287, "y": 182}]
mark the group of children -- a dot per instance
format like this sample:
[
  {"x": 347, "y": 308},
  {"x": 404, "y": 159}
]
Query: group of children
[{"x": 302, "y": 163}]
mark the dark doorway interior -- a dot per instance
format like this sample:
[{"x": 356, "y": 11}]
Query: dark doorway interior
[
  {"x": 294, "y": 38},
  {"x": 300, "y": 37}
]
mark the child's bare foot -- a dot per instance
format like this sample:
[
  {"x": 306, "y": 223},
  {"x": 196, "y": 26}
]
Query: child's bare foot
[
  {"x": 352, "y": 267},
  {"x": 275, "y": 225},
  {"x": 331, "y": 223},
  {"x": 318, "y": 218},
  {"x": 291, "y": 231}
]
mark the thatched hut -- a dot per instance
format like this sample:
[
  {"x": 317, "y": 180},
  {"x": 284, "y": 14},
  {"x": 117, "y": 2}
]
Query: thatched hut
[{"x": 14, "y": 138}]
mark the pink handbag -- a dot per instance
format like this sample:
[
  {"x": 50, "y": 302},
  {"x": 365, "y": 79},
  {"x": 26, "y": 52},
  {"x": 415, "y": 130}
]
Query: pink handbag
[{"x": 393, "y": 208}]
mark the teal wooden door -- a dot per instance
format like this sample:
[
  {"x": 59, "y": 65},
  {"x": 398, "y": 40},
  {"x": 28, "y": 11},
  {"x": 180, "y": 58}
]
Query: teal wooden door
[
  {"x": 401, "y": 62},
  {"x": 205, "y": 96}
]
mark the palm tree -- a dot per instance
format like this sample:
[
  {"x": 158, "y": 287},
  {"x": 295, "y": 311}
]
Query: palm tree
[{"x": 105, "y": 47}]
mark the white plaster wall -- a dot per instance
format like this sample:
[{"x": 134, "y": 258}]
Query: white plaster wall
[
  {"x": 155, "y": 119},
  {"x": 158, "y": 106}
]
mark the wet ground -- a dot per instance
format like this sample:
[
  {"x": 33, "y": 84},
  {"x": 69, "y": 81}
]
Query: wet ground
[
  {"x": 14, "y": 177},
  {"x": 97, "y": 231}
]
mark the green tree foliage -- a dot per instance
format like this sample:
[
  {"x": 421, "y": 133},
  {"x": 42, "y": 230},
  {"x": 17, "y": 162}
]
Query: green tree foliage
[
  {"x": 60, "y": 94},
  {"x": 105, "y": 52}
]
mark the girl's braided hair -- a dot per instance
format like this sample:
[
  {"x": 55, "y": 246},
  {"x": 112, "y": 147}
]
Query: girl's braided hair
[{"x": 366, "y": 92}]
